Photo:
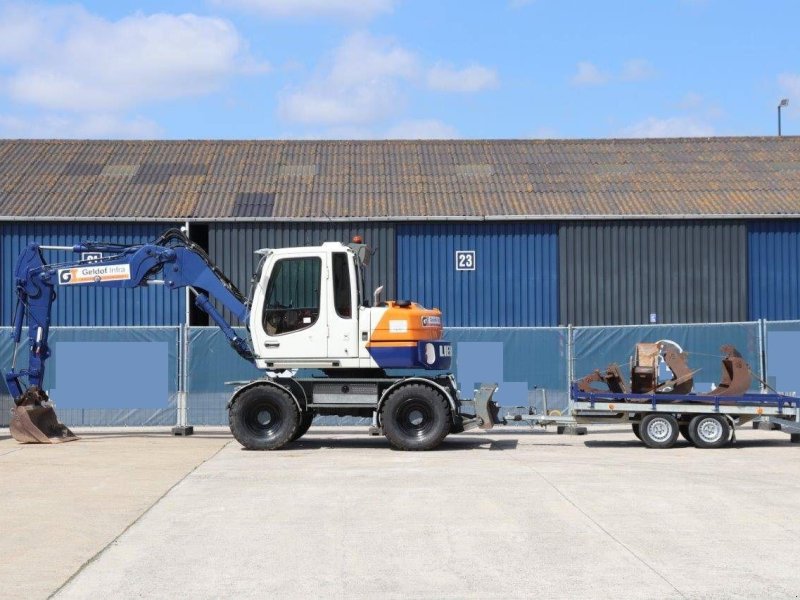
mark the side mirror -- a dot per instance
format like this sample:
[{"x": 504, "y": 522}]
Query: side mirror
[{"x": 377, "y": 294}]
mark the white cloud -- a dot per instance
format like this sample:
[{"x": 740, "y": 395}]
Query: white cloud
[
  {"x": 653, "y": 127},
  {"x": 346, "y": 9},
  {"x": 633, "y": 70},
  {"x": 362, "y": 84},
  {"x": 445, "y": 78},
  {"x": 80, "y": 126},
  {"x": 589, "y": 74},
  {"x": 66, "y": 59},
  {"x": 637, "y": 69},
  {"x": 421, "y": 129},
  {"x": 697, "y": 105}
]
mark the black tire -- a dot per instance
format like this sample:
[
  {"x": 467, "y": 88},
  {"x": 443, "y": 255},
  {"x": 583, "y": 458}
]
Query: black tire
[
  {"x": 659, "y": 430},
  {"x": 305, "y": 423},
  {"x": 415, "y": 417},
  {"x": 710, "y": 431},
  {"x": 263, "y": 417},
  {"x": 635, "y": 427},
  {"x": 684, "y": 429}
]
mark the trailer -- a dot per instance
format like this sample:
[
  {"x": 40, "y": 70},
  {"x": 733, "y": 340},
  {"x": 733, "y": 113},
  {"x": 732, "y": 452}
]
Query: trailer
[{"x": 658, "y": 420}]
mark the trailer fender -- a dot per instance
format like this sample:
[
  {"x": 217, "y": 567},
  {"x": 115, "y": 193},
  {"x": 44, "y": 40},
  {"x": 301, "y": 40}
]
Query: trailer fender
[
  {"x": 270, "y": 382},
  {"x": 423, "y": 381}
]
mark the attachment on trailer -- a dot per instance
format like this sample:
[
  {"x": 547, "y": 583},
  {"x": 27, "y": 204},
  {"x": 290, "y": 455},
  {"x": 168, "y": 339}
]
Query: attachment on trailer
[
  {"x": 735, "y": 380},
  {"x": 33, "y": 420}
]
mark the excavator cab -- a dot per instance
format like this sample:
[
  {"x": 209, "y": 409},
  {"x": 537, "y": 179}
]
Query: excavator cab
[{"x": 308, "y": 310}]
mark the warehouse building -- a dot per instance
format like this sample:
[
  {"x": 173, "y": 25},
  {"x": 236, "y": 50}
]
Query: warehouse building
[{"x": 495, "y": 233}]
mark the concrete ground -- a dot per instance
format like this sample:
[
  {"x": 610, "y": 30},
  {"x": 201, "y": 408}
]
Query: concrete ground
[{"x": 338, "y": 514}]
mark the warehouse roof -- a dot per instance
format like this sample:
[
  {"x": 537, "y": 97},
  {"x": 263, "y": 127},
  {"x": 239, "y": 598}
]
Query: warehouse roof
[{"x": 207, "y": 180}]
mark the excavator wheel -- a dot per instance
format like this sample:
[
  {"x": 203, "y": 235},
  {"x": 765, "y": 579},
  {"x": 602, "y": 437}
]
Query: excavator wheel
[
  {"x": 305, "y": 423},
  {"x": 415, "y": 417},
  {"x": 263, "y": 417}
]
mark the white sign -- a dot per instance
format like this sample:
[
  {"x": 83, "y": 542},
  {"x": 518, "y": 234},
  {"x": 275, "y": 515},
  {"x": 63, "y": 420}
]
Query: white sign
[
  {"x": 91, "y": 255},
  {"x": 653, "y": 318},
  {"x": 89, "y": 274},
  {"x": 465, "y": 260}
]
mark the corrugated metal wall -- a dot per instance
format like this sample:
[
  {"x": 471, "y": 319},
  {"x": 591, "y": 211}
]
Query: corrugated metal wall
[
  {"x": 88, "y": 306},
  {"x": 774, "y": 252},
  {"x": 232, "y": 246},
  {"x": 515, "y": 281},
  {"x": 619, "y": 272}
]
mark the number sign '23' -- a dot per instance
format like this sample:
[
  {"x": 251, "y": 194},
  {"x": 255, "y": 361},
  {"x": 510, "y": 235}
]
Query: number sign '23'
[{"x": 465, "y": 260}]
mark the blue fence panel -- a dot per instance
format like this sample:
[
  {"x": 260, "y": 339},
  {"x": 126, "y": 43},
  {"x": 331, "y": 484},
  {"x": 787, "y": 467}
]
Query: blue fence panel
[
  {"x": 774, "y": 265},
  {"x": 481, "y": 274},
  {"x": 526, "y": 363},
  {"x": 89, "y": 306},
  {"x": 782, "y": 342},
  {"x": 597, "y": 347},
  {"x": 212, "y": 362},
  {"x": 106, "y": 375}
]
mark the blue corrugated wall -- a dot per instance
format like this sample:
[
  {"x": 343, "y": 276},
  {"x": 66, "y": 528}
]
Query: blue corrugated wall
[
  {"x": 88, "y": 306},
  {"x": 774, "y": 265},
  {"x": 515, "y": 281}
]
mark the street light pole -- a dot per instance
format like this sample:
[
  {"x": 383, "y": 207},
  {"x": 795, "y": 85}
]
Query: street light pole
[{"x": 781, "y": 104}]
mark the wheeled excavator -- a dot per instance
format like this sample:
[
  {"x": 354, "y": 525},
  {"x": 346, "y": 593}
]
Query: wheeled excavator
[{"x": 307, "y": 312}]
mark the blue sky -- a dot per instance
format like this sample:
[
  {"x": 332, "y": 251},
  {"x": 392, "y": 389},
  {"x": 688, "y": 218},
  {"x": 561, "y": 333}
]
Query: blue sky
[{"x": 398, "y": 68}]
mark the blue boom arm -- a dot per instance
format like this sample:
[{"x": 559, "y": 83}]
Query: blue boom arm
[{"x": 173, "y": 261}]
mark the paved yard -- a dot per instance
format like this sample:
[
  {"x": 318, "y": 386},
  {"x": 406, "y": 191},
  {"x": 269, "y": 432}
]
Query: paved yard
[{"x": 339, "y": 514}]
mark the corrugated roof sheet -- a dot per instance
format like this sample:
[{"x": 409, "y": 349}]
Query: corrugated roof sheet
[{"x": 167, "y": 180}]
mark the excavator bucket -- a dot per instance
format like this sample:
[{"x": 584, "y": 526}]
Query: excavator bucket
[{"x": 38, "y": 425}]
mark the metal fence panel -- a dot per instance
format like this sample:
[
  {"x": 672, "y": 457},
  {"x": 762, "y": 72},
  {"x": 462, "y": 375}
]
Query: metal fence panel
[
  {"x": 100, "y": 375},
  {"x": 597, "y": 347},
  {"x": 782, "y": 340}
]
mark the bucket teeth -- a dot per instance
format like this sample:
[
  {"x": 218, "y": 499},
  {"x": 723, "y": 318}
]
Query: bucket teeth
[{"x": 38, "y": 425}]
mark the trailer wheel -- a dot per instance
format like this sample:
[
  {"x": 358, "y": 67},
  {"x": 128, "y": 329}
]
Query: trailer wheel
[
  {"x": 305, "y": 423},
  {"x": 415, "y": 417},
  {"x": 263, "y": 417},
  {"x": 636, "y": 432},
  {"x": 710, "y": 431},
  {"x": 659, "y": 430}
]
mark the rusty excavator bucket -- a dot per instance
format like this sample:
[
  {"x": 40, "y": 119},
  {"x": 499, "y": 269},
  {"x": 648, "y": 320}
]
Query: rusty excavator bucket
[
  {"x": 736, "y": 376},
  {"x": 33, "y": 420}
]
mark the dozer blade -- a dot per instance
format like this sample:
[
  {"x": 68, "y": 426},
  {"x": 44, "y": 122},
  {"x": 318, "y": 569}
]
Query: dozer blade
[{"x": 38, "y": 425}]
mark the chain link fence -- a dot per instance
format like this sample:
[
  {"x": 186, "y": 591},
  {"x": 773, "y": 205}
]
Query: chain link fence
[{"x": 138, "y": 375}]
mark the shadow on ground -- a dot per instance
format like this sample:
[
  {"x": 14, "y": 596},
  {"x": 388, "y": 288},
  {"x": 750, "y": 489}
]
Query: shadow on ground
[{"x": 739, "y": 445}]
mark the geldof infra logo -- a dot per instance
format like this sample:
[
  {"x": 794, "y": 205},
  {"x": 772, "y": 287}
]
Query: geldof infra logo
[{"x": 94, "y": 274}]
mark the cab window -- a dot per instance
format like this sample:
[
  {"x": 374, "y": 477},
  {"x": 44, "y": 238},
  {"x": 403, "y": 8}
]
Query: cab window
[
  {"x": 342, "y": 295},
  {"x": 293, "y": 293}
]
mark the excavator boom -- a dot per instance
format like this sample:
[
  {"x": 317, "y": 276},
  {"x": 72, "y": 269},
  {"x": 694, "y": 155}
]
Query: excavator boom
[{"x": 172, "y": 260}]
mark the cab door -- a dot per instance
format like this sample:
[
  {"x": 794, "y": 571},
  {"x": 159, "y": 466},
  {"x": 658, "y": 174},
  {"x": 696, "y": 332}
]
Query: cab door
[
  {"x": 343, "y": 316},
  {"x": 294, "y": 314}
]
